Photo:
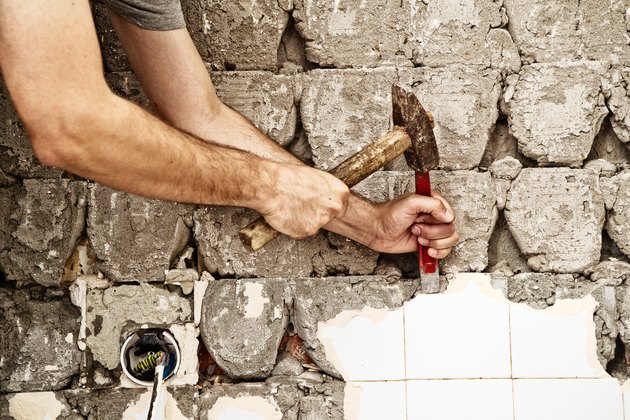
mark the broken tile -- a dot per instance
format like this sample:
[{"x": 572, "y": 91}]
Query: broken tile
[
  {"x": 463, "y": 333},
  {"x": 460, "y": 399},
  {"x": 374, "y": 400},
  {"x": 575, "y": 399},
  {"x": 367, "y": 344},
  {"x": 557, "y": 342}
]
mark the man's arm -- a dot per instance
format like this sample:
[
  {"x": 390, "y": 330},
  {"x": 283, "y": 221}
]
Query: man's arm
[
  {"x": 177, "y": 82},
  {"x": 50, "y": 60}
]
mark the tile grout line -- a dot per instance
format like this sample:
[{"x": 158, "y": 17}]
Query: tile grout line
[
  {"x": 405, "y": 359},
  {"x": 511, "y": 367}
]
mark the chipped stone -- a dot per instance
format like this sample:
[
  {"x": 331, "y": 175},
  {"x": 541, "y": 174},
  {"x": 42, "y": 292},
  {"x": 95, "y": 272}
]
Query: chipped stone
[
  {"x": 319, "y": 300},
  {"x": 265, "y": 99},
  {"x": 243, "y": 322},
  {"x": 556, "y": 217},
  {"x": 618, "y": 222},
  {"x": 184, "y": 278},
  {"x": 344, "y": 111},
  {"x": 619, "y": 104},
  {"x": 506, "y": 168},
  {"x": 611, "y": 270},
  {"x": 109, "y": 310},
  {"x": 135, "y": 238},
  {"x": 504, "y": 255},
  {"x": 463, "y": 101},
  {"x": 557, "y": 111},
  {"x": 601, "y": 167},
  {"x": 472, "y": 196},
  {"x": 607, "y": 145},
  {"x": 40, "y": 224},
  {"x": 35, "y": 353},
  {"x": 287, "y": 365}
]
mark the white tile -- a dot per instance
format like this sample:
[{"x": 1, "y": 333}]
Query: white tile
[
  {"x": 571, "y": 399},
  {"x": 558, "y": 342},
  {"x": 366, "y": 344},
  {"x": 626, "y": 399},
  {"x": 463, "y": 333},
  {"x": 374, "y": 401},
  {"x": 459, "y": 399}
]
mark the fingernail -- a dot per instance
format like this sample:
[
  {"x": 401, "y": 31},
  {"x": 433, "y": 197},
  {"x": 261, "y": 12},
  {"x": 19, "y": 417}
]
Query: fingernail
[
  {"x": 432, "y": 252},
  {"x": 423, "y": 241},
  {"x": 416, "y": 230},
  {"x": 449, "y": 214}
]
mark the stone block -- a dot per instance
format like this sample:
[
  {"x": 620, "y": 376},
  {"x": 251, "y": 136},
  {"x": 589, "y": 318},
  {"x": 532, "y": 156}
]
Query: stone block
[
  {"x": 16, "y": 155},
  {"x": 237, "y": 35},
  {"x": 607, "y": 144},
  {"x": 477, "y": 25},
  {"x": 618, "y": 222},
  {"x": 383, "y": 186},
  {"x": 242, "y": 323},
  {"x": 472, "y": 196},
  {"x": 319, "y": 300},
  {"x": 110, "y": 310},
  {"x": 40, "y": 224},
  {"x": 619, "y": 104},
  {"x": 565, "y": 31},
  {"x": 273, "y": 400},
  {"x": 463, "y": 101},
  {"x": 343, "y": 111},
  {"x": 353, "y": 34},
  {"x": 223, "y": 253},
  {"x": 267, "y": 100},
  {"x": 376, "y": 33},
  {"x": 38, "y": 344},
  {"x": 135, "y": 238},
  {"x": 556, "y": 217},
  {"x": 556, "y": 110}
]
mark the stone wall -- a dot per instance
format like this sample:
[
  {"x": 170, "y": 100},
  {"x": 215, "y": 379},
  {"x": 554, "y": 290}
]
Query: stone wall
[{"x": 532, "y": 108}]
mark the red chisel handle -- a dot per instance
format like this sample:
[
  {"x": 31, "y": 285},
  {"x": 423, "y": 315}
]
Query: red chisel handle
[{"x": 428, "y": 264}]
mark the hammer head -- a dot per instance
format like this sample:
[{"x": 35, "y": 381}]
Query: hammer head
[{"x": 408, "y": 113}]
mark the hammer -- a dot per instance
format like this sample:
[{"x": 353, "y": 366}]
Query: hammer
[{"x": 412, "y": 134}]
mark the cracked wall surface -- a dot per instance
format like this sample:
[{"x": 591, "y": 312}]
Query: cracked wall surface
[{"x": 532, "y": 112}]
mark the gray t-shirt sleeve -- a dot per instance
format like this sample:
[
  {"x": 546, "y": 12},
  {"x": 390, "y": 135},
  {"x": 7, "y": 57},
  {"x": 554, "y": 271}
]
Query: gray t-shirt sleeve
[{"x": 159, "y": 15}]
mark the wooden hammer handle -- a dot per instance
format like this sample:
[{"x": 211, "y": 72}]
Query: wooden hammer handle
[{"x": 351, "y": 171}]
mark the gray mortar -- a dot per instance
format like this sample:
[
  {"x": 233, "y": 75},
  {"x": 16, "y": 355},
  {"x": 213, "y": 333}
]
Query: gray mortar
[
  {"x": 38, "y": 350},
  {"x": 556, "y": 216},
  {"x": 149, "y": 234},
  {"x": 242, "y": 323},
  {"x": 40, "y": 224},
  {"x": 319, "y": 300},
  {"x": 556, "y": 110}
]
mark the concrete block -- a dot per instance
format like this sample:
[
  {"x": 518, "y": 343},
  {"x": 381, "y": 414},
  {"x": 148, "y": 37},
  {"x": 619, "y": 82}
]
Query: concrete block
[
  {"x": 267, "y": 100},
  {"x": 319, "y": 300},
  {"x": 16, "y": 155},
  {"x": 40, "y": 224},
  {"x": 216, "y": 232},
  {"x": 135, "y": 238},
  {"x": 110, "y": 310},
  {"x": 619, "y": 104},
  {"x": 237, "y": 35},
  {"x": 242, "y": 323},
  {"x": 556, "y": 217},
  {"x": 618, "y": 222},
  {"x": 566, "y": 31},
  {"x": 556, "y": 111},
  {"x": 472, "y": 196},
  {"x": 38, "y": 344},
  {"x": 463, "y": 101},
  {"x": 343, "y": 111},
  {"x": 478, "y": 27},
  {"x": 352, "y": 33}
]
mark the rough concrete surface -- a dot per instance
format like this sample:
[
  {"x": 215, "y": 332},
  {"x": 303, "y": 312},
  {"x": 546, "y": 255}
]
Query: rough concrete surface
[
  {"x": 343, "y": 111},
  {"x": 463, "y": 101},
  {"x": 135, "y": 238},
  {"x": 40, "y": 224},
  {"x": 608, "y": 146},
  {"x": 619, "y": 103},
  {"x": 223, "y": 253},
  {"x": 472, "y": 195},
  {"x": 556, "y": 110},
  {"x": 110, "y": 309},
  {"x": 38, "y": 349},
  {"x": 556, "y": 216},
  {"x": 16, "y": 155},
  {"x": 238, "y": 35},
  {"x": 568, "y": 30},
  {"x": 267, "y": 100},
  {"x": 242, "y": 323},
  {"x": 618, "y": 221},
  {"x": 319, "y": 300}
]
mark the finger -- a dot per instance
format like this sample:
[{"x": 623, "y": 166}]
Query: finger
[
  {"x": 449, "y": 209},
  {"x": 428, "y": 219},
  {"x": 438, "y": 231},
  {"x": 430, "y": 205},
  {"x": 437, "y": 244}
]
